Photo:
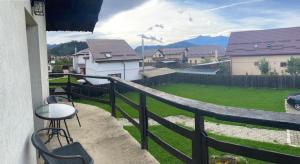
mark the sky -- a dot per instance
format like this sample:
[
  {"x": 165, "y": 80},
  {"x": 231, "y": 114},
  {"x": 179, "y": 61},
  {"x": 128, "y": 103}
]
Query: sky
[{"x": 168, "y": 21}]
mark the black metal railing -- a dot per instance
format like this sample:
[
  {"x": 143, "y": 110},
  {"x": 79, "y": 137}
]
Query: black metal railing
[{"x": 200, "y": 140}]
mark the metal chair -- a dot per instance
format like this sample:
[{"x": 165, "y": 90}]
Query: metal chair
[
  {"x": 53, "y": 100},
  {"x": 68, "y": 154}
]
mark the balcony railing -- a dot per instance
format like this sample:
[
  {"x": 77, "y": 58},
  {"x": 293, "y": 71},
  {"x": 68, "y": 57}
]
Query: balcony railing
[{"x": 200, "y": 140}]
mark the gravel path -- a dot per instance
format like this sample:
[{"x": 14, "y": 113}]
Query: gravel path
[
  {"x": 265, "y": 135},
  {"x": 293, "y": 136}
]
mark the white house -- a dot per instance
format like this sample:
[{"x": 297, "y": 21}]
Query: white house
[
  {"x": 79, "y": 61},
  {"x": 23, "y": 66},
  {"x": 108, "y": 57}
]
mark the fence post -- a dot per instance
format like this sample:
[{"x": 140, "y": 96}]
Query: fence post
[
  {"x": 199, "y": 145},
  {"x": 143, "y": 120},
  {"x": 112, "y": 95},
  {"x": 69, "y": 87}
]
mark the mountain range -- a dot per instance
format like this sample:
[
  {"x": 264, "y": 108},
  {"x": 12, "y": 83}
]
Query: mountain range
[
  {"x": 197, "y": 41},
  {"x": 65, "y": 49},
  {"x": 69, "y": 47}
]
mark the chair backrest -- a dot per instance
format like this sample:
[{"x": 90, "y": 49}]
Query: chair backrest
[
  {"x": 51, "y": 100},
  {"x": 42, "y": 149}
]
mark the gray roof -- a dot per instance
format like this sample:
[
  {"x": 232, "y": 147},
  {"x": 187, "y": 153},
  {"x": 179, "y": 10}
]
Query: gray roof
[
  {"x": 158, "y": 72},
  {"x": 118, "y": 49},
  {"x": 148, "y": 52},
  {"x": 284, "y": 41},
  {"x": 207, "y": 50},
  {"x": 82, "y": 52},
  {"x": 172, "y": 51}
]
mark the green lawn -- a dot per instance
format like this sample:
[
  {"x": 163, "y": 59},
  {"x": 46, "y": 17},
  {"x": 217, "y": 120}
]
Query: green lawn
[
  {"x": 251, "y": 98},
  {"x": 62, "y": 80},
  {"x": 184, "y": 145}
]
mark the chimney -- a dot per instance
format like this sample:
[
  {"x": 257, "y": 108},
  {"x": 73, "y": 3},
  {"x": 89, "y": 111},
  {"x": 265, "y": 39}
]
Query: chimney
[{"x": 216, "y": 55}]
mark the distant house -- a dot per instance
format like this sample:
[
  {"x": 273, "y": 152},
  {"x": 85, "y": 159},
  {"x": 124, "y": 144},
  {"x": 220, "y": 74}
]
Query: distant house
[
  {"x": 79, "y": 61},
  {"x": 109, "y": 57},
  {"x": 205, "y": 54},
  {"x": 277, "y": 46},
  {"x": 170, "y": 54},
  {"x": 148, "y": 55}
]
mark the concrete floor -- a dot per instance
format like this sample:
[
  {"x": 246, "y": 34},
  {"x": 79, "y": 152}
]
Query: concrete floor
[{"x": 104, "y": 138}]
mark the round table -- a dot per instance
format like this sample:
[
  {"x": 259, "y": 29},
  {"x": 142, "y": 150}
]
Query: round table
[{"x": 55, "y": 113}]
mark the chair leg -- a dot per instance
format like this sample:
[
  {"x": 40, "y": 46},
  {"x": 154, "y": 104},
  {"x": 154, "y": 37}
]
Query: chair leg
[{"x": 78, "y": 120}]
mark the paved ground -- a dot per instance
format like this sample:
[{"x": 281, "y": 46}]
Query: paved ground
[
  {"x": 293, "y": 136},
  {"x": 105, "y": 139},
  {"x": 265, "y": 135}
]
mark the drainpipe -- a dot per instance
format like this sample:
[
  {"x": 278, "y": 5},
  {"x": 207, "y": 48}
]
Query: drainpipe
[{"x": 124, "y": 69}]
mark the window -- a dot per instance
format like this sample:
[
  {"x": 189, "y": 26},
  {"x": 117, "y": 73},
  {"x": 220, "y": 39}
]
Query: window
[
  {"x": 256, "y": 63},
  {"x": 283, "y": 64},
  {"x": 108, "y": 55},
  {"x": 195, "y": 61},
  {"x": 115, "y": 75}
]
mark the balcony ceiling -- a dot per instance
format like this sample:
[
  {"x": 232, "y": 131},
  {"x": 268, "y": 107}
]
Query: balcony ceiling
[{"x": 72, "y": 15}]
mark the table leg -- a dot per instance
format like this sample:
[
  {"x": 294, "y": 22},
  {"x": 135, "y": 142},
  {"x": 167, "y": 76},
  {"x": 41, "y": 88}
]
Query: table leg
[{"x": 68, "y": 133}]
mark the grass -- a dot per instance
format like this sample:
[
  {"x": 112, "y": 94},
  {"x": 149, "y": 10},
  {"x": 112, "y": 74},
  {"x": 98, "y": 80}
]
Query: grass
[
  {"x": 251, "y": 98},
  {"x": 185, "y": 145},
  {"x": 62, "y": 80}
]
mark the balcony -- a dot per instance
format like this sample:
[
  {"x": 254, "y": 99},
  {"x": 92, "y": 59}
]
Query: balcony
[{"x": 105, "y": 138}]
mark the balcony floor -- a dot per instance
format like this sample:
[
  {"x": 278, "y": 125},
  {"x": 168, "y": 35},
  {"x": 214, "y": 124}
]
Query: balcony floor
[{"x": 104, "y": 138}]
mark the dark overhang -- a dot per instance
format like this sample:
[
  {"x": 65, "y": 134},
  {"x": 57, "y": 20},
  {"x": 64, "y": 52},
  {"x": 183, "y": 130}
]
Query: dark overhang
[{"x": 72, "y": 15}]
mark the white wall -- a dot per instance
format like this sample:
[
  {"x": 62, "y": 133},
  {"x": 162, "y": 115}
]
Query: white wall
[
  {"x": 106, "y": 68},
  {"x": 78, "y": 60},
  {"x": 17, "y": 100}
]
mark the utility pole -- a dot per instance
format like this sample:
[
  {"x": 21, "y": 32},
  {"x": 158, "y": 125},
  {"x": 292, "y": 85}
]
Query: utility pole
[{"x": 143, "y": 54}]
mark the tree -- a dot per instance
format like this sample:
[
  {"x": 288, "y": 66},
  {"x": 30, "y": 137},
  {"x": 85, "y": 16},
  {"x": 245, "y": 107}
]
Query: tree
[
  {"x": 224, "y": 68},
  {"x": 293, "y": 66},
  {"x": 263, "y": 66},
  {"x": 207, "y": 60}
]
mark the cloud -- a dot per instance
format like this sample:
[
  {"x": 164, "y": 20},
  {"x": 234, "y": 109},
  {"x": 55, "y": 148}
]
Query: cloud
[
  {"x": 112, "y": 7},
  {"x": 129, "y": 24},
  {"x": 159, "y": 26},
  {"x": 231, "y": 5},
  {"x": 172, "y": 20}
]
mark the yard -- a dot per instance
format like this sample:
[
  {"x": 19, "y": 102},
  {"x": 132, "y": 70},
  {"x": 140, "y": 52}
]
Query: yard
[
  {"x": 250, "y": 98},
  {"x": 63, "y": 79},
  {"x": 185, "y": 145}
]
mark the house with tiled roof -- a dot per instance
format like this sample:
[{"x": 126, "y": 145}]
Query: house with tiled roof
[
  {"x": 170, "y": 54},
  {"x": 148, "y": 55},
  {"x": 79, "y": 61},
  {"x": 277, "y": 46},
  {"x": 204, "y": 54},
  {"x": 109, "y": 57}
]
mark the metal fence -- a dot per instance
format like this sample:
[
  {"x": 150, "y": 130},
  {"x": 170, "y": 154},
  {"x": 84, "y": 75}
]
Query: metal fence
[{"x": 200, "y": 140}]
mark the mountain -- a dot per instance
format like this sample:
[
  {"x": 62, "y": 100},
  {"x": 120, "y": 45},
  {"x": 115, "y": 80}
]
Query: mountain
[
  {"x": 50, "y": 46},
  {"x": 208, "y": 40},
  {"x": 66, "y": 48},
  {"x": 200, "y": 40}
]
